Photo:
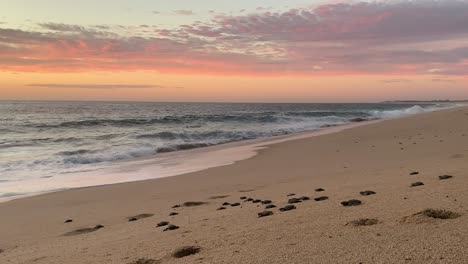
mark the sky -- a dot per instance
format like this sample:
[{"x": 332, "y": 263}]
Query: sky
[{"x": 234, "y": 51}]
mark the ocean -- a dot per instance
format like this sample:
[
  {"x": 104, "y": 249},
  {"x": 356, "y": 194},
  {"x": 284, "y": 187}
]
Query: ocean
[{"x": 45, "y": 146}]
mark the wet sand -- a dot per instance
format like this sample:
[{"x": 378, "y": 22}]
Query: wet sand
[{"x": 374, "y": 212}]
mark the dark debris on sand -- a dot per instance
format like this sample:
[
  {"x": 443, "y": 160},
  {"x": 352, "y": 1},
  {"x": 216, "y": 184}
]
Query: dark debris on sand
[
  {"x": 364, "y": 222},
  {"x": 84, "y": 230},
  {"x": 162, "y": 223},
  {"x": 415, "y": 184},
  {"x": 186, "y": 251},
  {"x": 367, "y": 193},
  {"x": 145, "y": 261},
  {"x": 287, "y": 208},
  {"x": 265, "y": 213},
  {"x": 138, "y": 217},
  {"x": 445, "y": 177},
  {"x": 171, "y": 227},
  {"x": 321, "y": 198},
  {"x": 352, "y": 202}
]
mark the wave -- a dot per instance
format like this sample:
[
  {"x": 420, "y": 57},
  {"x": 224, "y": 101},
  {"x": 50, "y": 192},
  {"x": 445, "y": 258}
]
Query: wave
[
  {"x": 107, "y": 157},
  {"x": 415, "y": 109}
]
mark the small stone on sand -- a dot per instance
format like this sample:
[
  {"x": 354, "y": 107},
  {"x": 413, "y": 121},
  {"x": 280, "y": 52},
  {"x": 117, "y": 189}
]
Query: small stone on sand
[
  {"x": 162, "y": 223},
  {"x": 265, "y": 213},
  {"x": 171, "y": 227},
  {"x": 414, "y": 184},
  {"x": 294, "y": 200},
  {"x": 367, "y": 193},
  {"x": 445, "y": 177},
  {"x": 287, "y": 208},
  {"x": 321, "y": 198},
  {"x": 352, "y": 202}
]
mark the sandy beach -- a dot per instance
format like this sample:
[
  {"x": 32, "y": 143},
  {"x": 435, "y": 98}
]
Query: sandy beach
[{"x": 383, "y": 158}]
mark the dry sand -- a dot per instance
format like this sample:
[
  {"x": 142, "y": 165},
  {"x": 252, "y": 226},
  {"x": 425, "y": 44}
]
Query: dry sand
[{"x": 377, "y": 157}]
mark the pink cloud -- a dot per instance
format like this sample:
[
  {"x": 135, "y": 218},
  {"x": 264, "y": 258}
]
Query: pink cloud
[{"x": 358, "y": 38}]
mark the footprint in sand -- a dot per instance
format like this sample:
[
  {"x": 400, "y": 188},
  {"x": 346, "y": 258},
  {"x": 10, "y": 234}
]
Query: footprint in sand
[
  {"x": 83, "y": 230},
  {"x": 138, "y": 217}
]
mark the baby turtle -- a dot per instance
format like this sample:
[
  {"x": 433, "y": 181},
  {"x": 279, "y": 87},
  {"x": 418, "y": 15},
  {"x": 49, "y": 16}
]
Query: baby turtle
[
  {"x": 171, "y": 227},
  {"x": 265, "y": 213},
  {"x": 68, "y": 221},
  {"x": 304, "y": 198},
  {"x": 226, "y": 203},
  {"x": 294, "y": 200},
  {"x": 269, "y": 206},
  {"x": 319, "y": 190},
  {"x": 266, "y": 202},
  {"x": 321, "y": 198},
  {"x": 221, "y": 208},
  {"x": 414, "y": 184},
  {"x": 173, "y": 213},
  {"x": 287, "y": 208},
  {"x": 162, "y": 223},
  {"x": 243, "y": 198},
  {"x": 291, "y": 194},
  {"x": 176, "y": 206},
  {"x": 256, "y": 201},
  {"x": 367, "y": 193},
  {"x": 414, "y": 173},
  {"x": 352, "y": 202},
  {"x": 249, "y": 200},
  {"x": 235, "y": 204},
  {"x": 445, "y": 177}
]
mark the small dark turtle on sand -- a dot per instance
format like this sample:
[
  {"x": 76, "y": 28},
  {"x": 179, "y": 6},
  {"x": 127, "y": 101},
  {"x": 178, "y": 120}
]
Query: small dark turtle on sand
[
  {"x": 287, "y": 208},
  {"x": 294, "y": 200},
  {"x": 304, "y": 198},
  {"x": 269, "y": 206},
  {"x": 352, "y": 202},
  {"x": 68, "y": 221},
  {"x": 445, "y": 177},
  {"x": 291, "y": 194},
  {"x": 186, "y": 251},
  {"x": 221, "y": 208},
  {"x": 98, "y": 227},
  {"x": 173, "y": 213},
  {"x": 138, "y": 217},
  {"x": 176, "y": 206},
  {"x": 321, "y": 198},
  {"x": 243, "y": 198},
  {"x": 256, "y": 201},
  {"x": 235, "y": 204},
  {"x": 171, "y": 227},
  {"x": 414, "y": 184},
  {"x": 266, "y": 202},
  {"x": 319, "y": 190},
  {"x": 414, "y": 173},
  {"x": 162, "y": 223},
  {"x": 226, "y": 203},
  {"x": 249, "y": 200},
  {"x": 265, "y": 213},
  {"x": 367, "y": 193}
]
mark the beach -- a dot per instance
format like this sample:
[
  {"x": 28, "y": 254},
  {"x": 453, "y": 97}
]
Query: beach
[{"x": 378, "y": 158}]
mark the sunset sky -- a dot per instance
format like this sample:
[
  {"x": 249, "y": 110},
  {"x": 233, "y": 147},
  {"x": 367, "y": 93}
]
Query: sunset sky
[{"x": 243, "y": 50}]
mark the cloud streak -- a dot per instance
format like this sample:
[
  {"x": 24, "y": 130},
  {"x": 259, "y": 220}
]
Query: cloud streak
[
  {"x": 94, "y": 86},
  {"x": 403, "y": 37}
]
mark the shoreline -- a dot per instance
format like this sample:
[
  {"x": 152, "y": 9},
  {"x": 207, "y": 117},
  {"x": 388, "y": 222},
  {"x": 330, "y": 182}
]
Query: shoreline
[
  {"x": 232, "y": 152},
  {"x": 378, "y": 158}
]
